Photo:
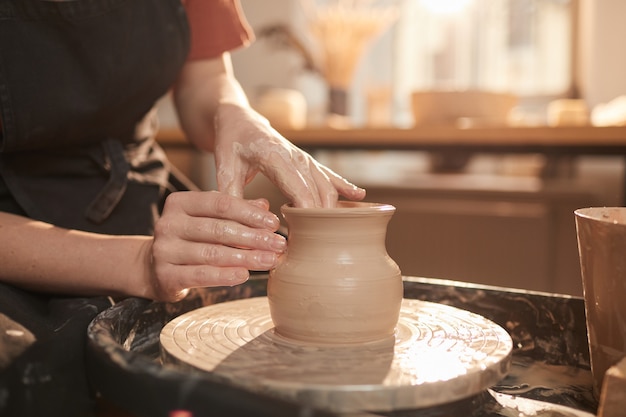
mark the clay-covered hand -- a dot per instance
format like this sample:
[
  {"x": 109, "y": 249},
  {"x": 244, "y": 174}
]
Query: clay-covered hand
[
  {"x": 246, "y": 144},
  {"x": 206, "y": 239}
]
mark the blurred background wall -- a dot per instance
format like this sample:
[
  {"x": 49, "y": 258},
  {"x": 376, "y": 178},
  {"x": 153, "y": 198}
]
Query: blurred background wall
[{"x": 500, "y": 220}]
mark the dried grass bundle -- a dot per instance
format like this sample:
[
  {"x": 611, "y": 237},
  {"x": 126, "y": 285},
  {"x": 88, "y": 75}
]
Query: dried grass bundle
[{"x": 343, "y": 29}]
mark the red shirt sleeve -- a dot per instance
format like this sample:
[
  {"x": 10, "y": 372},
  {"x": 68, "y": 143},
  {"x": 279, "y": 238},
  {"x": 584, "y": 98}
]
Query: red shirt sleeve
[{"x": 216, "y": 26}]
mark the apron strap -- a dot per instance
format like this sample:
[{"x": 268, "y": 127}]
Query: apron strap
[{"x": 106, "y": 200}]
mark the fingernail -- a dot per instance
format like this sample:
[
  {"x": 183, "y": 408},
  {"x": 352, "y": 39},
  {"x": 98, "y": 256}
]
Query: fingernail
[
  {"x": 271, "y": 222},
  {"x": 267, "y": 259},
  {"x": 279, "y": 243},
  {"x": 239, "y": 277}
]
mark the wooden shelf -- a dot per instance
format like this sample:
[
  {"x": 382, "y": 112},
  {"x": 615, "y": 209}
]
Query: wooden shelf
[{"x": 561, "y": 139}]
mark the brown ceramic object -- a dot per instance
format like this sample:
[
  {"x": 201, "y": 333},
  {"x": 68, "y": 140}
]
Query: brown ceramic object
[
  {"x": 336, "y": 283},
  {"x": 602, "y": 249}
]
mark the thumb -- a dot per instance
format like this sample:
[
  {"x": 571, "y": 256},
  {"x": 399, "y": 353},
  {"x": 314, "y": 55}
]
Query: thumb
[
  {"x": 229, "y": 177},
  {"x": 230, "y": 183}
]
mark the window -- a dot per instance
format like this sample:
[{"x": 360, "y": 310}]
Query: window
[{"x": 522, "y": 47}]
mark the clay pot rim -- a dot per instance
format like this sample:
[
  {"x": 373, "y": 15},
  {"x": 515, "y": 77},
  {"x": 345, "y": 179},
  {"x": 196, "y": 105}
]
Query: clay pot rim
[
  {"x": 596, "y": 214},
  {"x": 342, "y": 208}
]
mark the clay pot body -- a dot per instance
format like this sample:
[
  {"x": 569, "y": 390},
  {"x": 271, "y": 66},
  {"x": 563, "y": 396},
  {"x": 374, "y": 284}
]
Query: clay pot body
[{"x": 336, "y": 284}]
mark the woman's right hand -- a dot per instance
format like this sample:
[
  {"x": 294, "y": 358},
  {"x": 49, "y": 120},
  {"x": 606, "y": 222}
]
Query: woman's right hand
[{"x": 208, "y": 238}]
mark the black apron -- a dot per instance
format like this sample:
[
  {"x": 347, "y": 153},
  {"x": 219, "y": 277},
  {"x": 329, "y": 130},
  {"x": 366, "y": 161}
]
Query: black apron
[{"x": 78, "y": 80}]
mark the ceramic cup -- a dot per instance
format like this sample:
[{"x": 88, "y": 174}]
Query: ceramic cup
[{"x": 602, "y": 248}]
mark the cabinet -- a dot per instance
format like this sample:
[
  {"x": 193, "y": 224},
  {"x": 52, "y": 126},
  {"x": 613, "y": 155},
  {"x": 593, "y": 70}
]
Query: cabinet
[{"x": 519, "y": 239}]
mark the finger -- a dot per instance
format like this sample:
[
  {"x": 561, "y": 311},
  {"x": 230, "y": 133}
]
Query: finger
[
  {"x": 344, "y": 187},
  {"x": 211, "y": 276},
  {"x": 231, "y": 172},
  {"x": 228, "y": 182},
  {"x": 213, "y": 204},
  {"x": 327, "y": 191},
  {"x": 192, "y": 253},
  {"x": 261, "y": 203},
  {"x": 180, "y": 278},
  {"x": 307, "y": 169},
  {"x": 225, "y": 232},
  {"x": 294, "y": 180}
]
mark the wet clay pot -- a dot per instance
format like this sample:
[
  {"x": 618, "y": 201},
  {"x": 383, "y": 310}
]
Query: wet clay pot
[{"x": 336, "y": 284}]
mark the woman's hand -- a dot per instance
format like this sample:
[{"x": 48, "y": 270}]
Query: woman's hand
[
  {"x": 206, "y": 239},
  {"x": 215, "y": 114},
  {"x": 203, "y": 239},
  {"x": 246, "y": 144}
]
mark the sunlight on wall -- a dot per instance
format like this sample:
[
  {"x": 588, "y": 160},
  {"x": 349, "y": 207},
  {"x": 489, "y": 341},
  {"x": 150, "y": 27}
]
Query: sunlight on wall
[{"x": 445, "y": 6}]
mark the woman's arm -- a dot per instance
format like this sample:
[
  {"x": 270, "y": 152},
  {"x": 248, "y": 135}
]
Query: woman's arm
[
  {"x": 216, "y": 116},
  {"x": 203, "y": 239},
  {"x": 39, "y": 256},
  {"x": 202, "y": 86}
]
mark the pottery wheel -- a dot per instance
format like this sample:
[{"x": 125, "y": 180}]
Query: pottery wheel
[{"x": 439, "y": 354}]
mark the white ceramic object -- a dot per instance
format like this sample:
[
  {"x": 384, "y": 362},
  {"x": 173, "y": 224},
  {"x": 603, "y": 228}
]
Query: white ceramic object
[{"x": 284, "y": 108}]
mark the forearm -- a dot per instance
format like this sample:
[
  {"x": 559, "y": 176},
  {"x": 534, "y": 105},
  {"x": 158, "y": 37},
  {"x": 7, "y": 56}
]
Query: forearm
[
  {"x": 39, "y": 256},
  {"x": 203, "y": 86}
]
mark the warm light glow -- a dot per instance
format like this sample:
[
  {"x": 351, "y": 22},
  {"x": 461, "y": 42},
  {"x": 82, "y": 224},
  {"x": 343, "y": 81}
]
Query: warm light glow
[{"x": 445, "y": 6}]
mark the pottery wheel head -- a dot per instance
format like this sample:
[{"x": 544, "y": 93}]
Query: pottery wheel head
[{"x": 439, "y": 354}]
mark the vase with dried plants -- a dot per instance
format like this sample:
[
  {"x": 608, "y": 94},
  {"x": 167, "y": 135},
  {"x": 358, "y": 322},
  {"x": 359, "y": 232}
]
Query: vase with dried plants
[{"x": 342, "y": 31}]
